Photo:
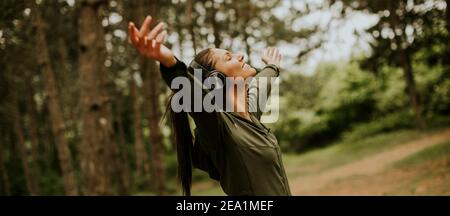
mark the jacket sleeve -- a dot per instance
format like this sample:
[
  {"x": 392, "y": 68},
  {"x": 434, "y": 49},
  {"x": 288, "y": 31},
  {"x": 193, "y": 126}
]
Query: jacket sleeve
[
  {"x": 169, "y": 74},
  {"x": 261, "y": 84}
]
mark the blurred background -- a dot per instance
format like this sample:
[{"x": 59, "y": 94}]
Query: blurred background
[{"x": 364, "y": 93}]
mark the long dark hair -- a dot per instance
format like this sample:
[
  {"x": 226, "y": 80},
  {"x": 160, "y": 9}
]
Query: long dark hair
[{"x": 182, "y": 131}]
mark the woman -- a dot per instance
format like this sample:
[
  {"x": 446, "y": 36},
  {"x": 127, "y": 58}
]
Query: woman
[{"x": 233, "y": 147}]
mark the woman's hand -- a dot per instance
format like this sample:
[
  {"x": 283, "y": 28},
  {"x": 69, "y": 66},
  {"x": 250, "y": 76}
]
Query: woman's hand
[
  {"x": 150, "y": 42},
  {"x": 271, "y": 55}
]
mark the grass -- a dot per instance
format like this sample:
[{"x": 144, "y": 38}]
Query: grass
[
  {"x": 432, "y": 153},
  {"x": 344, "y": 152},
  {"x": 431, "y": 167}
]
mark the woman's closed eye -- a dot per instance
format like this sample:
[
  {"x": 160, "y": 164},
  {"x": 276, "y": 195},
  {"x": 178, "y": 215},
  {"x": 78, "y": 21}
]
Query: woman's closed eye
[{"x": 228, "y": 57}]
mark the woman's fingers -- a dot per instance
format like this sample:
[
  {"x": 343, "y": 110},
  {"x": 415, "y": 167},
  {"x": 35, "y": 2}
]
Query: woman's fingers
[
  {"x": 279, "y": 58},
  {"x": 130, "y": 33},
  {"x": 155, "y": 44},
  {"x": 272, "y": 55},
  {"x": 148, "y": 44},
  {"x": 161, "y": 37},
  {"x": 145, "y": 27},
  {"x": 133, "y": 36},
  {"x": 156, "y": 31},
  {"x": 272, "y": 52}
]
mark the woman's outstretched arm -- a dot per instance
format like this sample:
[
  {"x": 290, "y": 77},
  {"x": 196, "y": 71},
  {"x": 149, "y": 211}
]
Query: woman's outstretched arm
[
  {"x": 150, "y": 42},
  {"x": 272, "y": 58}
]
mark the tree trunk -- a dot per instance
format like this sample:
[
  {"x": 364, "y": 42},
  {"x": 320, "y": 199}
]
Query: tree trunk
[
  {"x": 95, "y": 104},
  {"x": 411, "y": 88},
  {"x": 245, "y": 12},
  {"x": 191, "y": 24},
  {"x": 121, "y": 159},
  {"x": 69, "y": 92},
  {"x": 142, "y": 162},
  {"x": 57, "y": 122},
  {"x": 151, "y": 87},
  {"x": 33, "y": 127},
  {"x": 30, "y": 178},
  {"x": 5, "y": 178},
  {"x": 215, "y": 25},
  {"x": 33, "y": 122},
  {"x": 406, "y": 64},
  {"x": 137, "y": 13},
  {"x": 151, "y": 93}
]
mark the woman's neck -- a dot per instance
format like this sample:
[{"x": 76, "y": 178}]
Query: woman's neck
[{"x": 239, "y": 101}]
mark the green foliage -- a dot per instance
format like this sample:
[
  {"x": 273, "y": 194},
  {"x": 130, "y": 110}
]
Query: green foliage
[
  {"x": 343, "y": 100},
  {"x": 342, "y": 94},
  {"x": 440, "y": 102},
  {"x": 384, "y": 124}
]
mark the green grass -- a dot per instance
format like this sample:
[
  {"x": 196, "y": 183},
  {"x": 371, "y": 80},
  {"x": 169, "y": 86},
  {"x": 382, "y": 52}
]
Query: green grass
[{"x": 432, "y": 153}]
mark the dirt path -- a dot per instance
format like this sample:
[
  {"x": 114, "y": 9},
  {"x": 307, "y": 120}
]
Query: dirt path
[{"x": 372, "y": 165}]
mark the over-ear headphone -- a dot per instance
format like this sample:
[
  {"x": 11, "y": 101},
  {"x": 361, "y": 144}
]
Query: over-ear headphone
[{"x": 216, "y": 77}]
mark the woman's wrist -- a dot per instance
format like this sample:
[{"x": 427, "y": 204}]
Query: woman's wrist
[
  {"x": 169, "y": 62},
  {"x": 272, "y": 64}
]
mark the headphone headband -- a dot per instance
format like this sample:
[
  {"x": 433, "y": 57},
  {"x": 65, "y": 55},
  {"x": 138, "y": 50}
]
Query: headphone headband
[{"x": 194, "y": 65}]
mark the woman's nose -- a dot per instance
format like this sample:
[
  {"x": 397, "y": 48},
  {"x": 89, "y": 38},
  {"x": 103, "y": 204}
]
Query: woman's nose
[{"x": 240, "y": 57}]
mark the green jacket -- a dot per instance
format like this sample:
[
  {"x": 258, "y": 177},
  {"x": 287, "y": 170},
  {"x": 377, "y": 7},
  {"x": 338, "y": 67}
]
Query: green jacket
[{"x": 243, "y": 155}]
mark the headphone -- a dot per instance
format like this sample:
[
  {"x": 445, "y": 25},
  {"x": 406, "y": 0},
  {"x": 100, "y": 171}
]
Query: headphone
[{"x": 216, "y": 77}]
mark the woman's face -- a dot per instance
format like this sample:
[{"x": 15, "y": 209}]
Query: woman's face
[{"x": 231, "y": 64}]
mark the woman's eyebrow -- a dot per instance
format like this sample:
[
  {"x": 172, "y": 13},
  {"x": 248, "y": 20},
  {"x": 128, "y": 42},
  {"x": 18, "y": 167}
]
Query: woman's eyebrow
[{"x": 227, "y": 54}]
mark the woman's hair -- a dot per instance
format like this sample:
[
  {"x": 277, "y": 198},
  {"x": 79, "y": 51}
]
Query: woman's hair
[
  {"x": 204, "y": 58},
  {"x": 182, "y": 131}
]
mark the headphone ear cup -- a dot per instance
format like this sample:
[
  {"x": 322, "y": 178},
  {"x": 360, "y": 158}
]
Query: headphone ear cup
[{"x": 217, "y": 80}]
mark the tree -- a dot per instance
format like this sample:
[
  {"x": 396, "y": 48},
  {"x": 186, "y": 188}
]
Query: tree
[
  {"x": 401, "y": 24},
  {"x": 152, "y": 89},
  {"x": 57, "y": 121},
  {"x": 97, "y": 131},
  {"x": 27, "y": 159}
]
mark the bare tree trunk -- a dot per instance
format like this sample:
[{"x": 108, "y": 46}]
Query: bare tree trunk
[
  {"x": 142, "y": 162},
  {"x": 181, "y": 41},
  {"x": 33, "y": 125},
  {"x": 69, "y": 97},
  {"x": 151, "y": 87},
  {"x": 97, "y": 131},
  {"x": 121, "y": 170},
  {"x": 248, "y": 49},
  {"x": 151, "y": 93},
  {"x": 215, "y": 25},
  {"x": 137, "y": 12},
  {"x": 57, "y": 121},
  {"x": 406, "y": 64},
  {"x": 411, "y": 88},
  {"x": 5, "y": 177},
  {"x": 191, "y": 24},
  {"x": 31, "y": 180},
  {"x": 245, "y": 13}
]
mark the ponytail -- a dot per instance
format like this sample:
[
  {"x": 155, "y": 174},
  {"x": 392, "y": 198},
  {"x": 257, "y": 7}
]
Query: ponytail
[
  {"x": 184, "y": 144},
  {"x": 182, "y": 130}
]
